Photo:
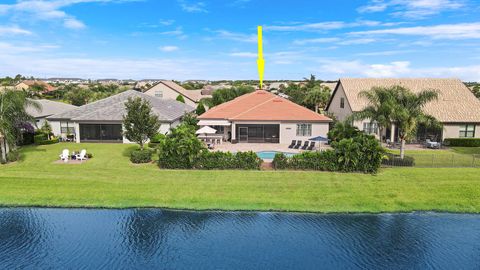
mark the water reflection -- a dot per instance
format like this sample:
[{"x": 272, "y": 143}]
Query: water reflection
[{"x": 152, "y": 238}]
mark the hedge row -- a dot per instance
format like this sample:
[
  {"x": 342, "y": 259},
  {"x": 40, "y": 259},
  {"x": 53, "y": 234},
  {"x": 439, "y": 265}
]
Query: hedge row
[
  {"x": 395, "y": 160},
  {"x": 226, "y": 160},
  {"x": 465, "y": 142},
  {"x": 362, "y": 153},
  {"x": 41, "y": 139}
]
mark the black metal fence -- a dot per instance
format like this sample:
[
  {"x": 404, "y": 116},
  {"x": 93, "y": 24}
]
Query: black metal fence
[{"x": 433, "y": 160}]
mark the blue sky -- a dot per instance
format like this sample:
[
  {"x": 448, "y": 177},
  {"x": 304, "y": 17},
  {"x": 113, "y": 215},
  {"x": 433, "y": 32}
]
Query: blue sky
[{"x": 213, "y": 39}]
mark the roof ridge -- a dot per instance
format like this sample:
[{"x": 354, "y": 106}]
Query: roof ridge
[{"x": 256, "y": 106}]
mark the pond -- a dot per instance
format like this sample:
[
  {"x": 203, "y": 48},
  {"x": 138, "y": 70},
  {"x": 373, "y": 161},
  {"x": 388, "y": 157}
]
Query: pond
[{"x": 39, "y": 238}]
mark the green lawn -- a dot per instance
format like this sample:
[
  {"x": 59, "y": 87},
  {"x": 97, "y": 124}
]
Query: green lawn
[
  {"x": 110, "y": 180},
  {"x": 455, "y": 157}
]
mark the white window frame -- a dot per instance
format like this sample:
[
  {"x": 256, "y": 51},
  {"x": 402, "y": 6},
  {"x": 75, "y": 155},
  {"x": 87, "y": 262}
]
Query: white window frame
[
  {"x": 304, "y": 129},
  {"x": 467, "y": 131},
  {"x": 158, "y": 93}
]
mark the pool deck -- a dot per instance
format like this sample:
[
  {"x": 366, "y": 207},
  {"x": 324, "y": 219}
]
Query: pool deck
[{"x": 258, "y": 147}]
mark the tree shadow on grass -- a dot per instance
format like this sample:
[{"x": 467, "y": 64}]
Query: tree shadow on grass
[
  {"x": 128, "y": 151},
  {"x": 27, "y": 150}
]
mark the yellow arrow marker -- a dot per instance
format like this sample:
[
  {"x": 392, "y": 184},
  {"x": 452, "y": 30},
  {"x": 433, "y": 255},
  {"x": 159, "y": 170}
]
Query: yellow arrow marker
[{"x": 260, "y": 61}]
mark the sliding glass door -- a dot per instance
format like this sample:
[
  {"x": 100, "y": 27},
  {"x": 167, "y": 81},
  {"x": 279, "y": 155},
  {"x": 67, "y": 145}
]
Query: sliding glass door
[{"x": 101, "y": 132}]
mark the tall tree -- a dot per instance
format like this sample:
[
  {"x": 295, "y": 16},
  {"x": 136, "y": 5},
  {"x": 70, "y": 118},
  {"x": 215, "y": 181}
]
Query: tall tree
[
  {"x": 140, "y": 123},
  {"x": 400, "y": 106},
  {"x": 78, "y": 96},
  {"x": 318, "y": 97},
  {"x": 13, "y": 114},
  {"x": 381, "y": 103},
  {"x": 180, "y": 99},
  {"x": 408, "y": 113},
  {"x": 200, "y": 109}
]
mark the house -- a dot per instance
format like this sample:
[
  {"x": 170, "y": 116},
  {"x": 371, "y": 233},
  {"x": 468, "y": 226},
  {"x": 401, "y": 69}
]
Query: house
[
  {"x": 48, "y": 108},
  {"x": 264, "y": 117},
  {"x": 277, "y": 85},
  {"x": 101, "y": 121},
  {"x": 170, "y": 90},
  {"x": 456, "y": 108},
  {"x": 25, "y": 85}
]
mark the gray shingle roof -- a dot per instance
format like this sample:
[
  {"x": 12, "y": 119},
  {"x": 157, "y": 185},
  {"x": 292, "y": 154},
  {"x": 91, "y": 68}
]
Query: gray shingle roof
[
  {"x": 113, "y": 109},
  {"x": 49, "y": 107}
]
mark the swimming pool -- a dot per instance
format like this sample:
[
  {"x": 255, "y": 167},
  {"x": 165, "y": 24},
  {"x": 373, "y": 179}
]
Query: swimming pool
[{"x": 271, "y": 154}]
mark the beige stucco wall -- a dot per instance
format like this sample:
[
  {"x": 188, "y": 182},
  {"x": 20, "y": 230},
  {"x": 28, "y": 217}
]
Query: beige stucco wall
[
  {"x": 334, "y": 108},
  {"x": 288, "y": 132},
  {"x": 168, "y": 93},
  {"x": 453, "y": 130}
]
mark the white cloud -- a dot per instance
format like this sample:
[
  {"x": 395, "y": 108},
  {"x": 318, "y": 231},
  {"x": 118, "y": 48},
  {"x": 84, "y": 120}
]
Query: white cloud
[
  {"x": 13, "y": 49},
  {"x": 13, "y": 30},
  {"x": 244, "y": 54},
  {"x": 73, "y": 23},
  {"x": 325, "y": 26},
  {"x": 384, "y": 53},
  {"x": 316, "y": 40},
  {"x": 335, "y": 41},
  {"x": 223, "y": 34},
  {"x": 193, "y": 7},
  {"x": 443, "y": 31},
  {"x": 412, "y": 9},
  {"x": 168, "y": 48},
  {"x": 49, "y": 10}
]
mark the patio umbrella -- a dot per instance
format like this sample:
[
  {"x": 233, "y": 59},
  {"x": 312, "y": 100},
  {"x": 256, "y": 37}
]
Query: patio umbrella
[
  {"x": 206, "y": 130},
  {"x": 319, "y": 139}
]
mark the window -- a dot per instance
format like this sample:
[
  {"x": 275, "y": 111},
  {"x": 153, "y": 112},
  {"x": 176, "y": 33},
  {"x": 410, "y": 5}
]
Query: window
[
  {"x": 304, "y": 129},
  {"x": 219, "y": 129},
  {"x": 67, "y": 128},
  {"x": 159, "y": 94},
  {"x": 370, "y": 128},
  {"x": 467, "y": 131},
  {"x": 342, "y": 102}
]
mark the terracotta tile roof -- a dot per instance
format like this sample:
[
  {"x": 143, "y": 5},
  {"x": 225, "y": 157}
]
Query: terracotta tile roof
[
  {"x": 48, "y": 87},
  {"x": 262, "y": 106},
  {"x": 455, "y": 103}
]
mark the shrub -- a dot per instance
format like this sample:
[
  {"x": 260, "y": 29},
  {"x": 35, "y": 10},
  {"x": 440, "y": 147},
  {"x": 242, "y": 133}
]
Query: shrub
[
  {"x": 180, "y": 149},
  {"x": 200, "y": 109},
  {"x": 157, "y": 138},
  {"x": 395, "y": 160},
  {"x": 180, "y": 99},
  {"x": 13, "y": 156},
  {"x": 280, "y": 161},
  {"x": 89, "y": 155},
  {"x": 248, "y": 160},
  {"x": 463, "y": 142},
  {"x": 141, "y": 156},
  {"x": 362, "y": 153},
  {"x": 41, "y": 139}
]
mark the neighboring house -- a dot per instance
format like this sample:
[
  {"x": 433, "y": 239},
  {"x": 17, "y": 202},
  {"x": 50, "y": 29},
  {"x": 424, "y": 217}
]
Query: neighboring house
[
  {"x": 330, "y": 85},
  {"x": 264, "y": 117},
  {"x": 170, "y": 90},
  {"x": 101, "y": 121},
  {"x": 456, "y": 108},
  {"x": 277, "y": 85},
  {"x": 25, "y": 85},
  {"x": 48, "y": 108}
]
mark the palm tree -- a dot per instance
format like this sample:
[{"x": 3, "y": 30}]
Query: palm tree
[
  {"x": 13, "y": 113},
  {"x": 400, "y": 106},
  {"x": 408, "y": 113},
  {"x": 318, "y": 96},
  {"x": 379, "y": 109}
]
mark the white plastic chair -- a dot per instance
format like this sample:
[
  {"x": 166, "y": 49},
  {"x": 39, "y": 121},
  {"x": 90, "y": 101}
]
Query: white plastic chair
[
  {"x": 82, "y": 155},
  {"x": 65, "y": 155}
]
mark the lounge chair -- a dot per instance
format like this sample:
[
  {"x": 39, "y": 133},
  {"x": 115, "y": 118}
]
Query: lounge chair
[
  {"x": 312, "y": 145},
  {"x": 82, "y": 155},
  {"x": 305, "y": 145},
  {"x": 65, "y": 155},
  {"x": 292, "y": 144},
  {"x": 299, "y": 143}
]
